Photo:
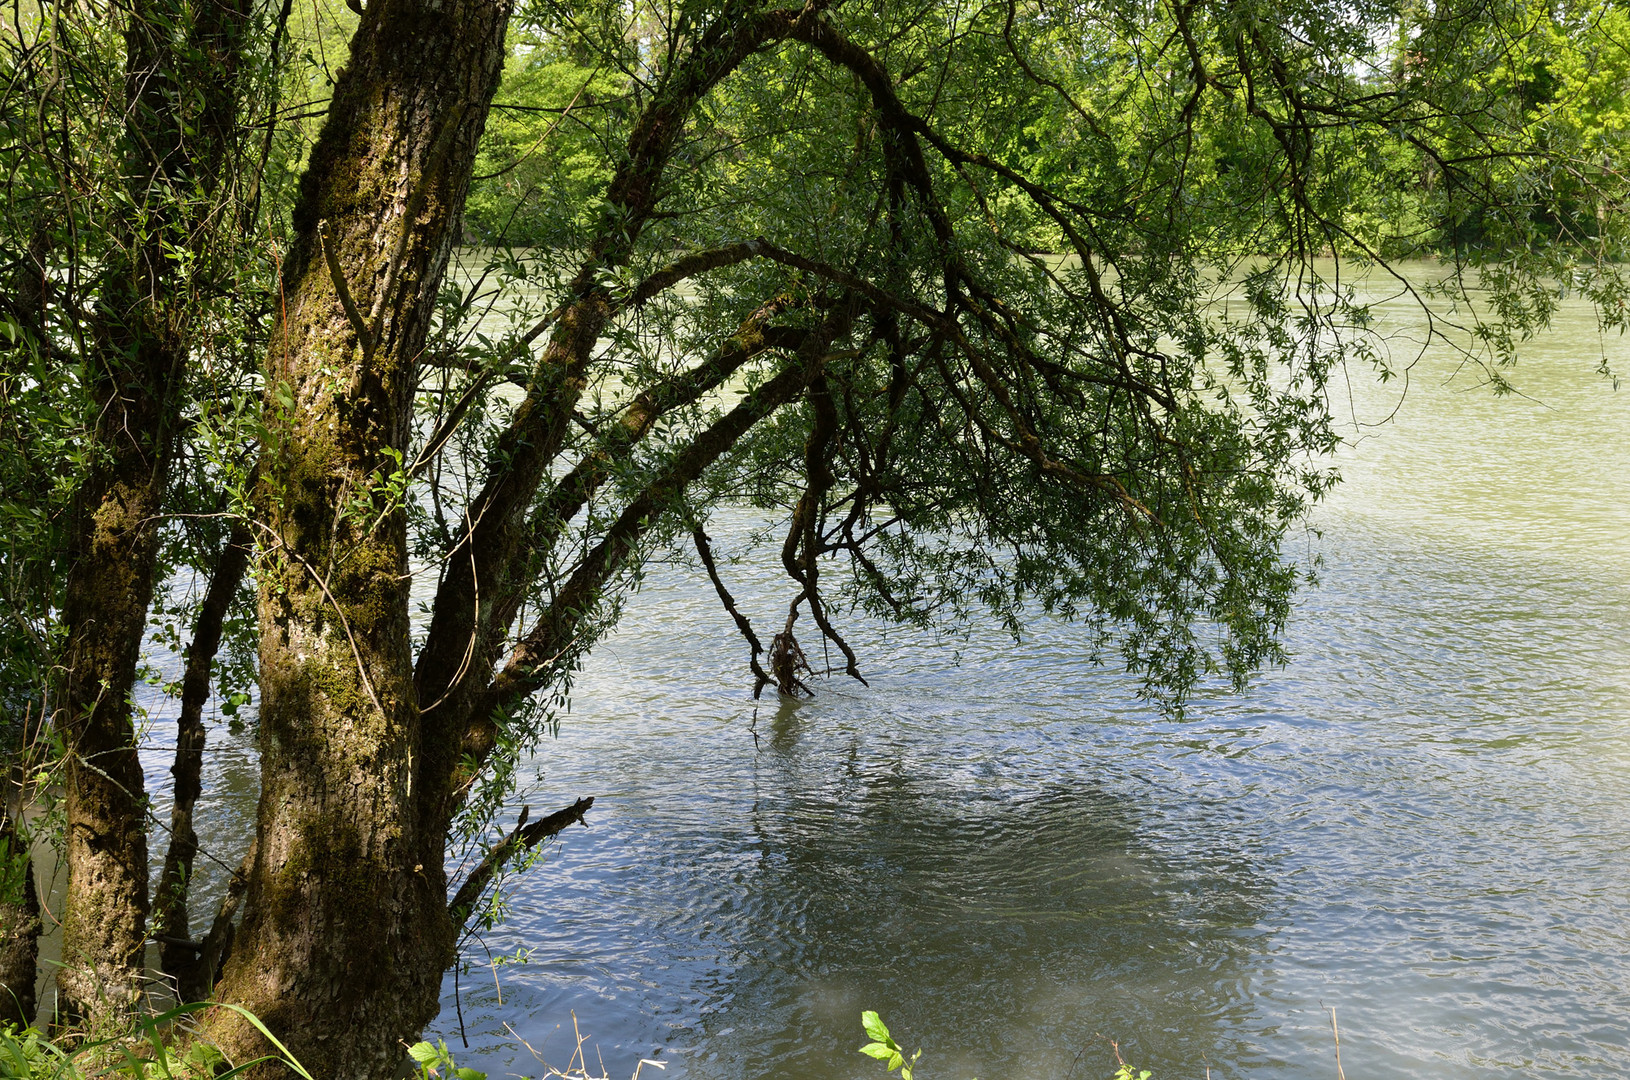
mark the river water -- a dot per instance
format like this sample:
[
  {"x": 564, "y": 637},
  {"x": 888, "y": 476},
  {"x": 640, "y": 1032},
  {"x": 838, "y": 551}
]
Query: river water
[{"x": 1422, "y": 823}]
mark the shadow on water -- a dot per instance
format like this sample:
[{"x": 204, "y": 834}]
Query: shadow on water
[
  {"x": 737, "y": 908},
  {"x": 1009, "y": 933}
]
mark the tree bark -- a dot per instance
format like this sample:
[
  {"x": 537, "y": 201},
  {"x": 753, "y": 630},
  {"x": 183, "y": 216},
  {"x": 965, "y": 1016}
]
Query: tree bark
[
  {"x": 19, "y": 902},
  {"x": 110, "y": 583},
  {"x": 19, "y": 921},
  {"x": 137, "y": 390},
  {"x": 112, "y": 556},
  {"x": 346, "y": 931}
]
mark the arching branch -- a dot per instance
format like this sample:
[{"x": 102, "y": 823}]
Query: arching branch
[
  {"x": 492, "y": 552},
  {"x": 553, "y": 636}
]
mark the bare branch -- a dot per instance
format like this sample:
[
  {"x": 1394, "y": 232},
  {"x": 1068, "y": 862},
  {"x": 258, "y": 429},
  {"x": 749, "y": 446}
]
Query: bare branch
[
  {"x": 705, "y": 552},
  {"x": 522, "y": 838},
  {"x": 337, "y": 274}
]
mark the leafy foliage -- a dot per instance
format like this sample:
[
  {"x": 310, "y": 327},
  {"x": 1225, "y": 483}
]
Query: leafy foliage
[
  {"x": 989, "y": 310},
  {"x": 435, "y": 1060},
  {"x": 143, "y": 1052},
  {"x": 884, "y": 1048}
]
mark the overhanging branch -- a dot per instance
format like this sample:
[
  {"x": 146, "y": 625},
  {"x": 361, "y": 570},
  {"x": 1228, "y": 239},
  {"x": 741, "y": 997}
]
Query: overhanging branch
[
  {"x": 522, "y": 838},
  {"x": 554, "y": 631},
  {"x": 705, "y": 552}
]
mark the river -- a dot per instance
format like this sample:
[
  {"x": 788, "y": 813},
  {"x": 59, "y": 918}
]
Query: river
[{"x": 1421, "y": 822}]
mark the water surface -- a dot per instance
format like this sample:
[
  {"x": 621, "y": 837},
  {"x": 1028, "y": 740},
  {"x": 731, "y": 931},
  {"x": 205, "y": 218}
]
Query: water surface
[{"x": 1421, "y": 822}]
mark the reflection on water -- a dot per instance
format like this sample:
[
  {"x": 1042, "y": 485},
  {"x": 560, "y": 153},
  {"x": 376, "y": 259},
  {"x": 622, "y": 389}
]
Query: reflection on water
[
  {"x": 886, "y": 884},
  {"x": 1420, "y": 822},
  {"x": 997, "y": 892}
]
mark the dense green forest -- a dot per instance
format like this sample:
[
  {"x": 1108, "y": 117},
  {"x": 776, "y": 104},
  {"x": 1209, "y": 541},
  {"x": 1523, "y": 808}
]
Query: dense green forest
[{"x": 992, "y": 309}]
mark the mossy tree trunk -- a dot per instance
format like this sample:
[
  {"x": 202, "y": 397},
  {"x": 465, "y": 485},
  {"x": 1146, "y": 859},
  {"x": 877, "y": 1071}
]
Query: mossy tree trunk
[
  {"x": 19, "y": 902},
  {"x": 346, "y": 931},
  {"x": 176, "y": 145},
  {"x": 19, "y": 921},
  {"x": 137, "y": 365}
]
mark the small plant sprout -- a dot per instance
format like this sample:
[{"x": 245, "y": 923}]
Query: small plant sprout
[
  {"x": 884, "y": 1048},
  {"x": 435, "y": 1060},
  {"x": 1125, "y": 1072}
]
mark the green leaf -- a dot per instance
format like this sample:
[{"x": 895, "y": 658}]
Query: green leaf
[
  {"x": 465, "y": 1073},
  {"x": 424, "y": 1053},
  {"x": 876, "y": 1050},
  {"x": 874, "y": 1026}
]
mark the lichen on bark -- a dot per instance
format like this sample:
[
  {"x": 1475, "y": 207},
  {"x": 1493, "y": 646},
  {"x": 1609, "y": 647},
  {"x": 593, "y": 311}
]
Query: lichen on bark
[{"x": 346, "y": 931}]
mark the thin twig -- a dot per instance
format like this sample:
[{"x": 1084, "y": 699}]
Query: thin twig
[
  {"x": 705, "y": 552},
  {"x": 1336, "y": 1032}
]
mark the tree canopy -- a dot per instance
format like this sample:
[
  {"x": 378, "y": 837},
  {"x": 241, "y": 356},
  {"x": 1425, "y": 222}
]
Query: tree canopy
[{"x": 990, "y": 309}]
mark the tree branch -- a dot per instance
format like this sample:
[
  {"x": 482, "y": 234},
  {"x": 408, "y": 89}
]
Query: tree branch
[
  {"x": 493, "y": 551},
  {"x": 552, "y": 636},
  {"x": 705, "y": 552},
  {"x": 522, "y": 838},
  {"x": 170, "y": 914},
  {"x": 336, "y": 274}
]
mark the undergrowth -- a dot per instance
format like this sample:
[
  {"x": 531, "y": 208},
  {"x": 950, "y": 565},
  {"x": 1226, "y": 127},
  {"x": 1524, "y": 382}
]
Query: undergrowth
[
  {"x": 145, "y": 1053},
  {"x": 142, "y": 1053}
]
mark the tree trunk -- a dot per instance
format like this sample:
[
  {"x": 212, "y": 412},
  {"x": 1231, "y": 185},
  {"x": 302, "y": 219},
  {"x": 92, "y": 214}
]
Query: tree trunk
[
  {"x": 19, "y": 922},
  {"x": 113, "y": 547},
  {"x": 182, "y": 962},
  {"x": 346, "y": 931},
  {"x": 139, "y": 377},
  {"x": 112, "y": 554},
  {"x": 110, "y": 582},
  {"x": 30, "y": 595}
]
